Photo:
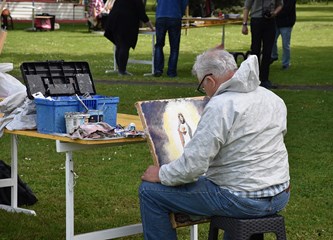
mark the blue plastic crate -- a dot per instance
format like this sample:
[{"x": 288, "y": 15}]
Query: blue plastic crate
[
  {"x": 50, "y": 114},
  {"x": 107, "y": 104}
]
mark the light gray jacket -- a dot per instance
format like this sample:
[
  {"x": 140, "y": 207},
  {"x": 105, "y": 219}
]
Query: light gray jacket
[{"x": 239, "y": 142}]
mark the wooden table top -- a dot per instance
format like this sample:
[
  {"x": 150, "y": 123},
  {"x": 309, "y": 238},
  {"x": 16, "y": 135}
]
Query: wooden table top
[{"x": 122, "y": 119}]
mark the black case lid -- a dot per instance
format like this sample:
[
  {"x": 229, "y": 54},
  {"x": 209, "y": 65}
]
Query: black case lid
[{"x": 57, "y": 78}]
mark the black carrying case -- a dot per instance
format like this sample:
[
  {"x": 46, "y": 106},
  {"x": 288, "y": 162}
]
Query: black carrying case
[
  {"x": 57, "y": 78},
  {"x": 61, "y": 81}
]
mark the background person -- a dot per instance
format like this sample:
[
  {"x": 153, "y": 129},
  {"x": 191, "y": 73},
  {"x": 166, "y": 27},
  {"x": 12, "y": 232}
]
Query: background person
[
  {"x": 5, "y": 13},
  {"x": 284, "y": 26},
  {"x": 97, "y": 14},
  {"x": 122, "y": 29},
  {"x": 236, "y": 163},
  {"x": 262, "y": 14},
  {"x": 169, "y": 15},
  {"x": 202, "y": 8}
]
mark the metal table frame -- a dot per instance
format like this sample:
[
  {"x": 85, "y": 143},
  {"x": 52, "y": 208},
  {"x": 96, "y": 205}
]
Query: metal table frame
[
  {"x": 136, "y": 61},
  {"x": 68, "y": 146}
]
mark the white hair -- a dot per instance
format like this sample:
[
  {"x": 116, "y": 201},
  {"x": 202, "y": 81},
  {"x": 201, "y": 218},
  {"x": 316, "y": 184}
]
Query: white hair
[{"x": 215, "y": 61}]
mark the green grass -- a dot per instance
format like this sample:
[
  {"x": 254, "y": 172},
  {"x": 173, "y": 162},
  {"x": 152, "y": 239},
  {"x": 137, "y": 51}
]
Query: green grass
[
  {"x": 312, "y": 36},
  {"x": 106, "y": 189}
]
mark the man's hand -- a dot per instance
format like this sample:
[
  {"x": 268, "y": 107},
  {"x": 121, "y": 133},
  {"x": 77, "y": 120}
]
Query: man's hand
[
  {"x": 245, "y": 30},
  {"x": 151, "y": 174}
]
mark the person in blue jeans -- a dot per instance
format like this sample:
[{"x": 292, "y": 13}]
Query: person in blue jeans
[
  {"x": 285, "y": 22},
  {"x": 236, "y": 163},
  {"x": 169, "y": 15}
]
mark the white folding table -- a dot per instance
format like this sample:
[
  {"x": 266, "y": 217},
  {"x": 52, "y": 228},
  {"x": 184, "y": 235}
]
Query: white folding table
[{"x": 68, "y": 146}]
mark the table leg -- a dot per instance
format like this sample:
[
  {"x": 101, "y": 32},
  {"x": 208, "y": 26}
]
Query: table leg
[
  {"x": 14, "y": 171},
  {"x": 115, "y": 69},
  {"x": 12, "y": 182},
  {"x": 114, "y": 59},
  {"x": 194, "y": 232},
  {"x": 69, "y": 196},
  {"x": 112, "y": 233},
  {"x": 149, "y": 62},
  {"x": 152, "y": 56}
]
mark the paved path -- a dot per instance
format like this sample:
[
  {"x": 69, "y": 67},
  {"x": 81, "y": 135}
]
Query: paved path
[{"x": 287, "y": 87}]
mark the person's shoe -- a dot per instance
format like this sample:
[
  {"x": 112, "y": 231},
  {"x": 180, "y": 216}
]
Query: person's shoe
[
  {"x": 172, "y": 76},
  {"x": 124, "y": 73},
  {"x": 285, "y": 67},
  {"x": 273, "y": 60},
  {"x": 157, "y": 74}
]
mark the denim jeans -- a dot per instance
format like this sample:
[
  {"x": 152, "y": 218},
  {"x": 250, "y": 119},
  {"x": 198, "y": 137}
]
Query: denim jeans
[
  {"x": 285, "y": 33},
  {"x": 202, "y": 198},
  {"x": 262, "y": 40},
  {"x": 172, "y": 26}
]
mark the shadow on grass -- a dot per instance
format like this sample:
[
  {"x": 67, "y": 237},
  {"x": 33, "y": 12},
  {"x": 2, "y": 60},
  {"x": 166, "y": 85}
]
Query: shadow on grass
[{"x": 316, "y": 8}]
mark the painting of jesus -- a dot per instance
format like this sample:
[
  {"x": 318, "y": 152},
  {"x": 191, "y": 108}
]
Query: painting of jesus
[{"x": 170, "y": 125}]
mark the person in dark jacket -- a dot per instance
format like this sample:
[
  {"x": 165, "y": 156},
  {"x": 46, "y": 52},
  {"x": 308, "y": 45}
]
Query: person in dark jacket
[
  {"x": 122, "y": 29},
  {"x": 263, "y": 14},
  {"x": 284, "y": 26}
]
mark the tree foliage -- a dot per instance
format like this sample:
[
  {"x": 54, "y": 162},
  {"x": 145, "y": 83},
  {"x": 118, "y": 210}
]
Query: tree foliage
[{"x": 204, "y": 8}]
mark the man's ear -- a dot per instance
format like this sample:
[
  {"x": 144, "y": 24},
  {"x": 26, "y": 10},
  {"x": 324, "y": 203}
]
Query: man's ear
[{"x": 211, "y": 81}]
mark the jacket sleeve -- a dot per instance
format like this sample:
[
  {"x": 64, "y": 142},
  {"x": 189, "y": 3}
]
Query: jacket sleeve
[
  {"x": 199, "y": 152},
  {"x": 248, "y": 4},
  {"x": 184, "y": 4},
  {"x": 287, "y": 9},
  {"x": 142, "y": 11}
]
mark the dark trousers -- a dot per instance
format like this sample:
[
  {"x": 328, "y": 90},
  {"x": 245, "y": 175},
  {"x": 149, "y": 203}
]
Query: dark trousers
[
  {"x": 122, "y": 54},
  {"x": 4, "y": 24},
  {"x": 262, "y": 40},
  {"x": 172, "y": 26}
]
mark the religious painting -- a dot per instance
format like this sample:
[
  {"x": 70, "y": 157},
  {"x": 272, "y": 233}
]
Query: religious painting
[{"x": 169, "y": 125}]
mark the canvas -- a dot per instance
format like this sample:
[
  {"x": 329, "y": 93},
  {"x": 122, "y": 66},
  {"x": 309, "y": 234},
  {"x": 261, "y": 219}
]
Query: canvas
[{"x": 169, "y": 125}]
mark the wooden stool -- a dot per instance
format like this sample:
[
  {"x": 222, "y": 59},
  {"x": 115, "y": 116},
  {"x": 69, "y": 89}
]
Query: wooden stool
[{"x": 248, "y": 229}]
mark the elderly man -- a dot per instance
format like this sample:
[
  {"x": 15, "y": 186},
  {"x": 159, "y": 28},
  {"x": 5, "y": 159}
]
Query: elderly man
[{"x": 236, "y": 163}]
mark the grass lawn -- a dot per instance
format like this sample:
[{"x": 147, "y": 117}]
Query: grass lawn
[
  {"x": 312, "y": 36},
  {"x": 108, "y": 178}
]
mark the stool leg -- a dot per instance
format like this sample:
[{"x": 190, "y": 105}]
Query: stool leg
[
  {"x": 281, "y": 235},
  {"x": 213, "y": 232},
  {"x": 258, "y": 236}
]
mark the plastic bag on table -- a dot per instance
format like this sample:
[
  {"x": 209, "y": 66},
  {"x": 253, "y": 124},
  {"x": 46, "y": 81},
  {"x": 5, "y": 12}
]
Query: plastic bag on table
[{"x": 9, "y": 84}]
